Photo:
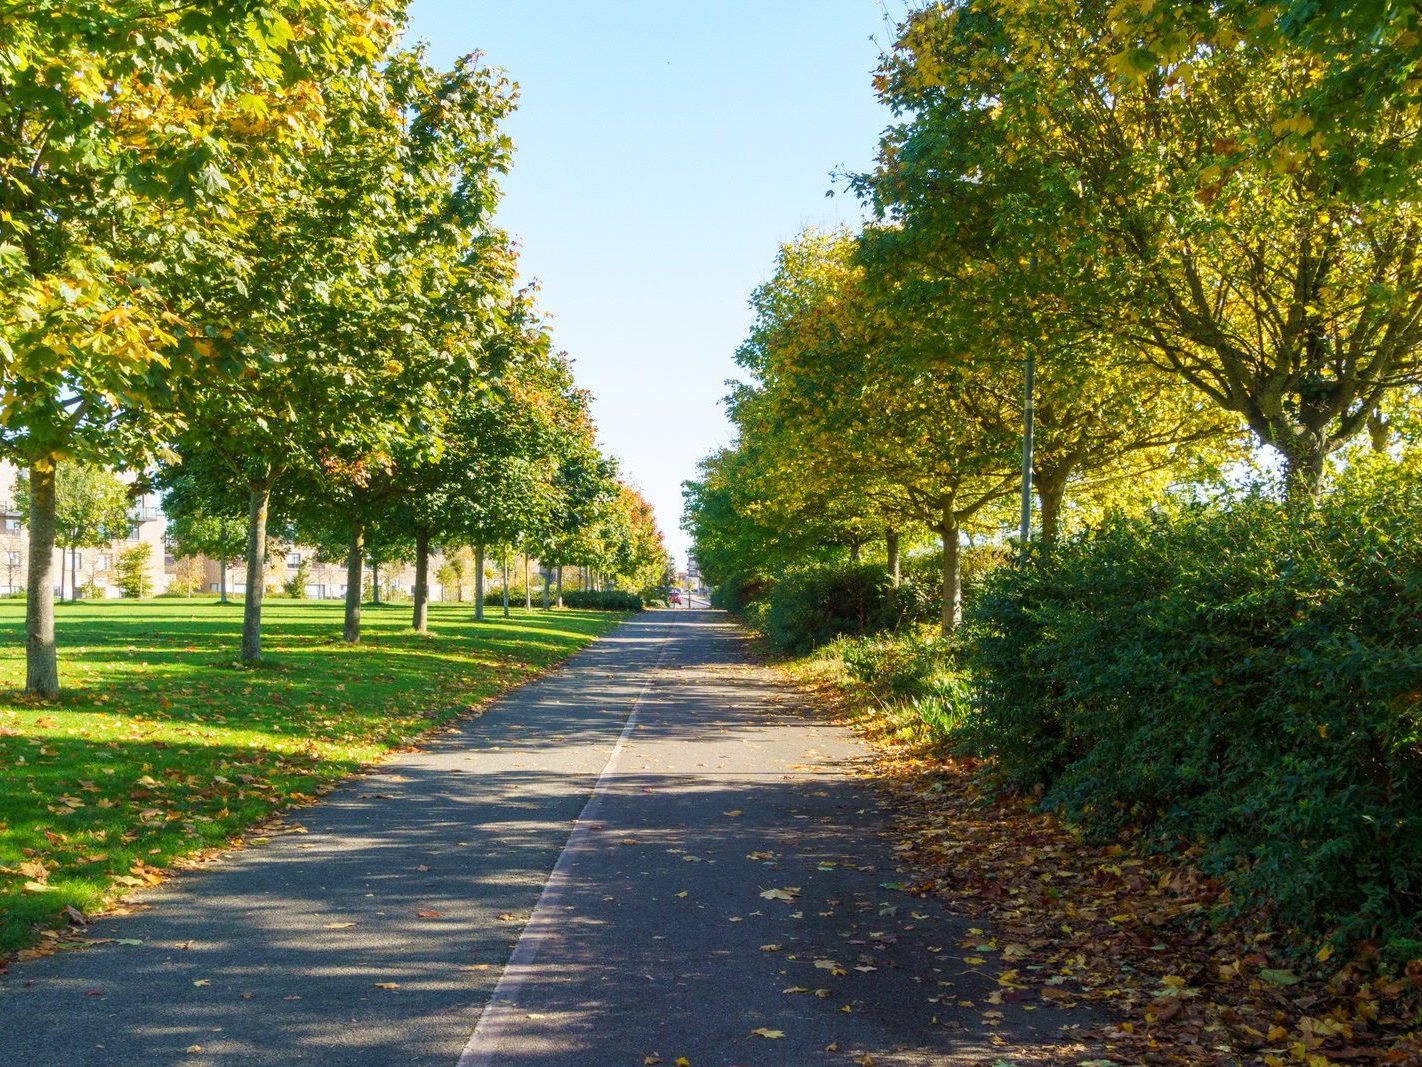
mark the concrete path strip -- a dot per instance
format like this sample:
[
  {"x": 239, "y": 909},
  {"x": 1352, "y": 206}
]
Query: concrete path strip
[{"x": 698, "y": 869}]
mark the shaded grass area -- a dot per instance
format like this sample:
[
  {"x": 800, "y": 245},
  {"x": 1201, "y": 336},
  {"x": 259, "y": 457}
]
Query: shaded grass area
[{"x": 161, "y": 747}]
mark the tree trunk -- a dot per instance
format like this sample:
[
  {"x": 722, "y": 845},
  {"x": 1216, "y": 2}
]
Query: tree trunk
[
  {"x": 258, "y": 501},
  {"x": 479, "y": 583},
  {"x": 1303, "y": 475},
  {"x": 1379, "y": 432},
  {"x": 421, "y": 620},
  {"x": 222, "y": 583},
  {"x": 1051, "y": 491},
  {"x": 891, "y": 545},
  {"x": 41, "y": 658},
  {"x": 355, "y": 566},
  {"x": 73, "y": 573},
  {"x": 854, "y": 552},
  {"x": 547, "y": 574},
  {"x": 527, "y": 585},
  {"x": 952, "y": 576},
  {"x": 374, "y": 582},
  {"x": 504, "y": 581},
  {"x": 560, "y": 587}
]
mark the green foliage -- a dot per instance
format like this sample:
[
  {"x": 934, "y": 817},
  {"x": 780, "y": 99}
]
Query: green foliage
[
  {"x": 1236, "y": 674},
  {"x": 811, "y": 606},
  {"x": 599, "y": 600},
  {"x": 913, "y": 679},
  {"x": 295, "y": 585},
  {"x": 91, "y": 505},
  {"x": 131, "y": 571}
]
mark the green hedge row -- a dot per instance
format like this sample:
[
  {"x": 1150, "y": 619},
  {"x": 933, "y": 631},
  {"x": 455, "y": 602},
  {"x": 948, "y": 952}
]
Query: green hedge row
[
  {"x": 807, "y": 608},
  {"x": 597, "y": 600},
  {"x": 1240, "y": 674}
]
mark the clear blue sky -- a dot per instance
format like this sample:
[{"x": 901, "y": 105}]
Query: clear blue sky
[{"x": 665, "y": 150}]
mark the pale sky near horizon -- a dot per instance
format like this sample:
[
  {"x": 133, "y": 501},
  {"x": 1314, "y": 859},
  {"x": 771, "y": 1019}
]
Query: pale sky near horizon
[{"x": 664, "y": 152}]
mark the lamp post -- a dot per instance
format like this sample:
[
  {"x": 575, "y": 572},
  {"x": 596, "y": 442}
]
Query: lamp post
[{"x": 1028, "y": 418}]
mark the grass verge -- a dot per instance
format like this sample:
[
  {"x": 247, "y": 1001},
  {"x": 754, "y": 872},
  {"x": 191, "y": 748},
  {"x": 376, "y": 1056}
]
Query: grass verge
[{"x": 161, "y": 748}]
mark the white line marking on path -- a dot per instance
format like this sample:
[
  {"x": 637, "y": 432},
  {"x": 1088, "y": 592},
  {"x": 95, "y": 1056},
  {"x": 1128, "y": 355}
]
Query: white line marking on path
[{"x": 481, "y": 1049}]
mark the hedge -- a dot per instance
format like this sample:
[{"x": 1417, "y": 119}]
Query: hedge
[{"x": 1241, "y": 674}]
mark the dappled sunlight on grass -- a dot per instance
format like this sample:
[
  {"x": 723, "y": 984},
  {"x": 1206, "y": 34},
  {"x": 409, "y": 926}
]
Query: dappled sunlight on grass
[{"x": 161, "y": 746}]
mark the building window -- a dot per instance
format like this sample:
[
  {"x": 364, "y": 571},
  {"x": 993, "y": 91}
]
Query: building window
[
  {"x": 14, "y": 559},
  {"x": 293, "y": 559},
  {"x": 12, "y": 523},
  {"x": 105, "y": 561}
]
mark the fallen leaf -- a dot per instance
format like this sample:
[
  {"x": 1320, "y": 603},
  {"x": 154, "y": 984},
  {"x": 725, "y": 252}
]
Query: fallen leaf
[
  {"x": 387, "y": 985},
  {"x": 789, "y": 893},
  {"x": 773, "y": 1035}
]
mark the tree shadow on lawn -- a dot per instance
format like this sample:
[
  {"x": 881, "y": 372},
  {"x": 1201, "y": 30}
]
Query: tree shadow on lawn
[{"x": 164, "y": 629}]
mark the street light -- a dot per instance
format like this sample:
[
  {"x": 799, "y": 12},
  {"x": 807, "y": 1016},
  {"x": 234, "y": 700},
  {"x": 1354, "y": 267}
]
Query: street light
[{"x": 1028, "y": 418}]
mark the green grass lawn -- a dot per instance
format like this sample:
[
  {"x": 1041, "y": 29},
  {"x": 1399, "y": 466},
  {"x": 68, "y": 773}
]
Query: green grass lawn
[{"x": 160, "y": 747}]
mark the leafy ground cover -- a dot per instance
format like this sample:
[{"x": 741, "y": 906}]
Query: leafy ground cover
[
  {"x": 1136, "y": 933},
  {"x": 162, "y": 748}
]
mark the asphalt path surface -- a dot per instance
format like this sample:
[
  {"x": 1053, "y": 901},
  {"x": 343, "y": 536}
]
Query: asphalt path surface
[{"x": 654, "y": 852}]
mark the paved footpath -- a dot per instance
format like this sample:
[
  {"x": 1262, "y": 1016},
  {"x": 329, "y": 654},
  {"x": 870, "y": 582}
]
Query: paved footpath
[{"x": 648, "y": 854}]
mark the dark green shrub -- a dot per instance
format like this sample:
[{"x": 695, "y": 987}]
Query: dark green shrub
[
  {"x": 1236, "y": 675},
  {"x": 809, "y": 607},
  {"x": 739, "y": 590},
  {"x": 597, "y": 600}
]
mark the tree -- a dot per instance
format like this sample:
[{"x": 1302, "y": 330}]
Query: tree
[
  {"x": 204, "y": 513},
  {"x": 90, "y": 510},
  {"x": 362, "y": 253},
  {"x": 187, "y": 576},
  {"x": 132, "y": 571},
  {"x": 455, "y": 571},
  {"x": 1110, "y": 428},
  {"x": 926, "y": 441},
  {"x": 119, "y": 118},
  {"x": 636, "y": 555},
  {"x": 1209, "y": 229}
]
